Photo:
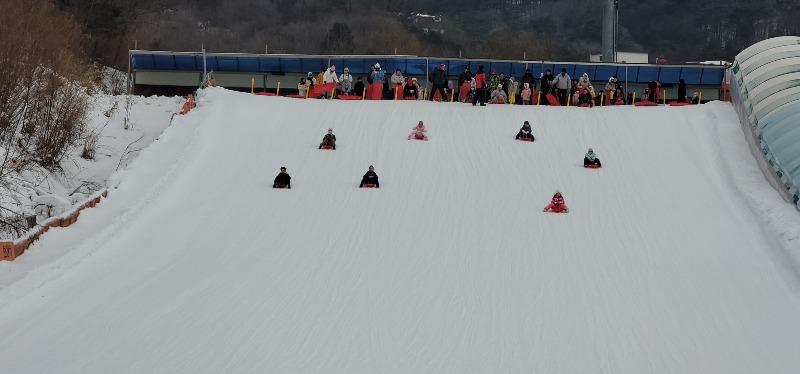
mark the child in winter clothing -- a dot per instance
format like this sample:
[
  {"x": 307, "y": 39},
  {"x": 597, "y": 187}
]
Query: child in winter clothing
[
  {"x": 526, "y": 94},
  {"x": 610, "y": 88},
  {"x": 370, "y": 178},
  {"x": 590, "y": 159},
  {"x": 585, "y": 82},
  {"x": 494, "y": 81},
  {"x": 397, "y": 81},
  {"x": 513, "y": 87},
  {"x": 358, "y": 88},
  {"x": 347, "y": 82},
  {"x": 499, "y": 96},
  {"x": 525, "y": 132},
  {"x": 584, "y": 97},
  {"x": 328, "y": 140},
  {"x": 557, "y": 204},
  {"x": 619, "y": 97},
  {"x": 419, "y": 132},
  {"x": 411, "y": 90},
  {"x": 302, "y": 87},
  {"x": 283, "y": 179}
]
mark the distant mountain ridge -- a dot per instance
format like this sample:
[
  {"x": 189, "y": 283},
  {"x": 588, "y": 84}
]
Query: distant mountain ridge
[{"x": 537, "y": 29}]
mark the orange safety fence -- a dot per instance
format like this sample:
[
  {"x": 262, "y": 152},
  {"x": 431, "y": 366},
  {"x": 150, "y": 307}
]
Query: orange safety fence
[{"x": 10, "y": 250}]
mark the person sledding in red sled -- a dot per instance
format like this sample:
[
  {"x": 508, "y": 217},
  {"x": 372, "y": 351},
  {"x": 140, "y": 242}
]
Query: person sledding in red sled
[
  {"x": 557, "y": 205},
  {"x": 419, "y": 132},
  {"x": 591, "y": 160},
  {"x": 370, "y": 179},
  {"x": 525, "y": 133}
]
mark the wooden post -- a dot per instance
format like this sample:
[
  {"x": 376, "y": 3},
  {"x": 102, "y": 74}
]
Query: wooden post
[
  {"x": 634, "y": 98},
  {"x": 278, "y": 91},
  {"x": 252, "y": 85},
  {"x": 602, "y": 98},
  {"x": 364, "y": 93},
  {"x": 307, "y": 89},
  {"x": 333, "y": 91},
  {"x": 664, "y": 96},
  {"x": 452, "y": 93},
  {"x": 539, "y": 98},
  {"x": 699, "y": 97}
]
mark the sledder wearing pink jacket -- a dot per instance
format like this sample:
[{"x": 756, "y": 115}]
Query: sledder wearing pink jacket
[{"x": 419, "y": 132}]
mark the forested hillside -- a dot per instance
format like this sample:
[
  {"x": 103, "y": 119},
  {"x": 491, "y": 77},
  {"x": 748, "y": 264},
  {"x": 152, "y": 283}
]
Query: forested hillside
[{"x": 552, "y": 29}]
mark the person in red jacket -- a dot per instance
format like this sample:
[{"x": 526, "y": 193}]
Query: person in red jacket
[
  {"x": 480, "y": 87},
  {"x": 557, "y": 204}
]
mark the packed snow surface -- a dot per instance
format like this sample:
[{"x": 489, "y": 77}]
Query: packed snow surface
[{"x": 676, "y": 256}]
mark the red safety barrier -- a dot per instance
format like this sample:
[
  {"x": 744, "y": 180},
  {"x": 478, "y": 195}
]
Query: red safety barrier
[
  {"x": 679, "y": 103},
  {"x": 645, "y": 103},
  {"x": 315, "y": 92},
  {"x": 350, "y": 97},
  {"x": 265, "y": 93}
]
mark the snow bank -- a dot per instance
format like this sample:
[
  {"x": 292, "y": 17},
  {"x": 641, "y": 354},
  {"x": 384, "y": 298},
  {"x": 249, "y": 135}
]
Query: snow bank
[
  {"x": 672, "y": 260},
  {"x": 145, "y": 119}
]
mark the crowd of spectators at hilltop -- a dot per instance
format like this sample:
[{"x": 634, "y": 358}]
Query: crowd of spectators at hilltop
[{"x": 478, "y": 87}]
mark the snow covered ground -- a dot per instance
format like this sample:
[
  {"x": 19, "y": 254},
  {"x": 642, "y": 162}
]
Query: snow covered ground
[{"x": 677, "y": 257}]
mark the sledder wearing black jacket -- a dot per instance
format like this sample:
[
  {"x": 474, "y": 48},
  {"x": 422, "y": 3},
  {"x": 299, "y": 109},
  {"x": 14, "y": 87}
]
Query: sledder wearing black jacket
[
  {"x": 370, "y": 178},
  {"x": 283, "y": 179},
  {"x": 328, "y": 140},
  {"x": 525, "y": 132}
]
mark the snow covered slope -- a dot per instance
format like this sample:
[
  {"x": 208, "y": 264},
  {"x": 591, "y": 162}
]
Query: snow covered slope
[{"x": 677, "y": 256}]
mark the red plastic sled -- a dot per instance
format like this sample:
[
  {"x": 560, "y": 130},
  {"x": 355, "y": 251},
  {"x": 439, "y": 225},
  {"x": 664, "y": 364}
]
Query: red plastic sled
[
  {"x": 562, "y": 210},
  {"x": 327, "y": 147},
  {"x": 552, "y": 100},
  {"x": 369, "y": 186},
  {"x": 526, "y": 140},
  {"x": 592, "y": 166},
  {"x": 645, "y": 103},
  {"x": 320, "y": 90},
  {"x": 281, "y": 186}
]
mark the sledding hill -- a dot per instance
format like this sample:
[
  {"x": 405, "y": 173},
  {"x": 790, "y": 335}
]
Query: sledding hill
[{"x": 676, "y": 257}]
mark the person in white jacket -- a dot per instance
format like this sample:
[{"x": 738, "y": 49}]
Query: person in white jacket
[
  {"x": 330, "y": 75},
  {"x": 397, "y": 84},
  {"x": 562, "y": 83}
]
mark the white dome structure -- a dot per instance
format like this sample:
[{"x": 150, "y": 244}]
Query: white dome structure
[{"x": 766, "y": 93}]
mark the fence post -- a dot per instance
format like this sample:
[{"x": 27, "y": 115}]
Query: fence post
[{"x": 278, "y": 91}]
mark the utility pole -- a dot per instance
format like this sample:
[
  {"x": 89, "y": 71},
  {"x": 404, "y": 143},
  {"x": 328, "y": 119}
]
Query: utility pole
[{"x": 610, "y": 24}]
